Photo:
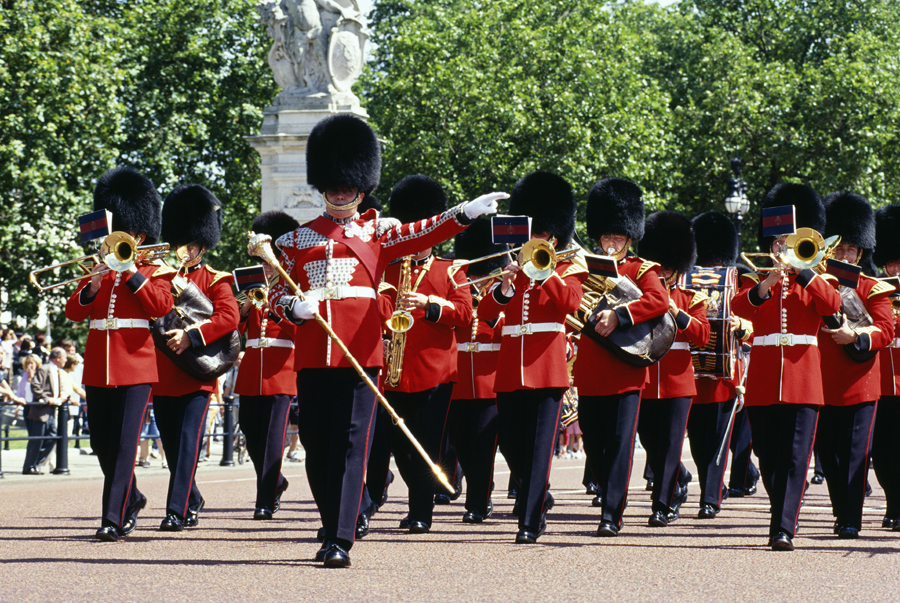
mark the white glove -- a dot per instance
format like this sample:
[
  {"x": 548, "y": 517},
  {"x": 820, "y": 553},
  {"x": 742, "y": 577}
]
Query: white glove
[
  {"x": 485, "y": 204},
  {"x": 306, "y": 309}
]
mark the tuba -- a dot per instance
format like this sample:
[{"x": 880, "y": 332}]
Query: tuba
[{"x": 400, "y": 322}]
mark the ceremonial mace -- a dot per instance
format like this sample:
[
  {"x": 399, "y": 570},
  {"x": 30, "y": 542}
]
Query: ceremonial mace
[{"x": 260, "y": 246}]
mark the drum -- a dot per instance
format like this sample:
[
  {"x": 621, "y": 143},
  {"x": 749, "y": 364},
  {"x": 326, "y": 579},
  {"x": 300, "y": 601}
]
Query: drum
[
  {"x": 569, "y": 413},
  {"x": 715, "y": 360}
]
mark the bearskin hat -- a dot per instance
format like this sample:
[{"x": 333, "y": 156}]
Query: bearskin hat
[
  {"x": 133, "y": 201},
  {"x": 669, "y": 241},
  {"x": 550, "y": 202},
  {"x": 370, "y": 201},
  {"x": 887, "y": 234},
  {"x": 274, "y": 223},
  {"x": 716, "y": 238},
  {"x": 850, "y": 216},
  {"x": 810, "y": 212},
  {"x": 615, "y": 206},
  {"x": 475, "y": 242},
  {"x": 416, "y": 198},
  {"x": 192, "y": 213},
  {"x": 342, "y": 150}
]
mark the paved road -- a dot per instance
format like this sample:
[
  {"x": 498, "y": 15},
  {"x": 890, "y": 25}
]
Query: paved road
[{"x": 48, "y": 552}]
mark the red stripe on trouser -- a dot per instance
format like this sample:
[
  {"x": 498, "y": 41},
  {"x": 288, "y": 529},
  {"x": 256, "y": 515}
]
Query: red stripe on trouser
[
  {"x": 131, "y": 479},
  {"x": 630, "y": 463},
  {"x": 366, "y": 460},
  {"x": 550, "y": 464},
  {"x": 196, "y": 456}
]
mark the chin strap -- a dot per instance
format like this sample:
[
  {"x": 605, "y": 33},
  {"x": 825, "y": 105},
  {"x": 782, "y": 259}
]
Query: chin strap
[{"x": 348, "y": 207}]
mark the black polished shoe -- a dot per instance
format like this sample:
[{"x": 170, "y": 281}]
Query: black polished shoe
[
  {"x": 817, "y": 479},
  {"x": 441, "y": 499},
  {"x": 592, "y": 488},
  {"x": 707, "y": 512},
  {"x": 673, "y": 516},
  {"x": 387, "y": 484},
  {"x": 550, "y": 501},
  {"x": 107, "y": 534},
  {"x": 335, "y": 556},
  {"x": 848, "y": 533},
  {"x": 457, "y": 487},
  {"x": 262, "y": 514},
  {"x": 597, "y": 501},
  {"x": 490, "y": 509},
  {"x": 130, "y": 521},
  {"x": 419, "y": 527},
  {"x": 172, "y": 523},
  {"x": 192, "y": 519},
  {"x": 868, "y": 489},
  {"x": 523, "y": 536},
  {"x": 362, "y": 523},
  {"x": 278, "y": 492},
  {"x": 404, "y": 523},
  {"x": 472, "y": 517},
  {"x": 649, "y": 486},
  {"x": 320, "y": 534},
  {"x": 782, "y": 542},
  {"x": 748, "y": 491},
  {"x": 512, "y": 493},
  {"x": 736, "y": 493},
  {"x": 658, "y": 520},
  {"x": 320, "y": 554},
  {"x": 607, "y": 529}
]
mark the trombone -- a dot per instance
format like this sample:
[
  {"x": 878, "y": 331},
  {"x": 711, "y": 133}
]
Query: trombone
[
  {"x": 537, "y": 257},
  {"x": 119, "y": 251},
  {"x": 804, "y": 249}
]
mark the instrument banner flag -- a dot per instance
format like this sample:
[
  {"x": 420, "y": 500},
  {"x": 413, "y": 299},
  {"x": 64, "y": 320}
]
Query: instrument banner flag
[
  {"x": 777, "y": 221},
  {"x": 601, "y": 265},
  {"x": 513, "y": 230},
  {"x": 95, "y": 225},
  {"x": 251, "y": 277},
  {"x": 846, "y": 274}
]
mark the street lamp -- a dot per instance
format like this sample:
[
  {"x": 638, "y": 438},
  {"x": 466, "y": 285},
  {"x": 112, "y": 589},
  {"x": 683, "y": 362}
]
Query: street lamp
[{"x": 736, "y": 203}]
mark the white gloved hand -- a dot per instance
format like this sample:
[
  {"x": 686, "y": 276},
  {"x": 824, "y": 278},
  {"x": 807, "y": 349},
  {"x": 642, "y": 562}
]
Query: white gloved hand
[
  {"x": 485, "y": 204},
  {"x": 305, "y": 310}
]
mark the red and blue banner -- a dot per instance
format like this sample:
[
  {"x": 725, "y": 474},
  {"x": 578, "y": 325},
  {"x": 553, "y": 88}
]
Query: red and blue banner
[
  {"x": 511, "y": 230},
  {"x": 777, "y": 221},
  {"x": 95, "y": 225},
  {"x": 846, "y": 274},
  {"x": 601, "y": 265},
  {"x": 251, "y": 277}
]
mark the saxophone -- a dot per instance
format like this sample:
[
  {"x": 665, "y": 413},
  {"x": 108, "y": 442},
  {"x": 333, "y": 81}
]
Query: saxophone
[{"x": 400, "y": 322}]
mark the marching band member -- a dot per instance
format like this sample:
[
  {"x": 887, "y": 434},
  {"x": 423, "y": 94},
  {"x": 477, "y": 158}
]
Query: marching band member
[
  {"x": 120, "y": 361},
  {"x": 717, "y": 246},
  {"x": 531, "y": 372},
  {"x": 784, "y": 381},
  {"x": 666, "y": 398},
  {"x": 885, "y": 443},
  {"x": 338, "y": 259},
  {"x": 473, "y": 424},
  {"x": 851, "y": 388},
  {"x": 191, "y": 217},
  {"x": 266, "y": 381},
  {"x": 420, "y": 371},
  {"x": 609, "y": 390}
]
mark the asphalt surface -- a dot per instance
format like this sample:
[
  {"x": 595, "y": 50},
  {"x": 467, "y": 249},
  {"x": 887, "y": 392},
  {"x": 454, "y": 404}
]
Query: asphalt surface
[{"x": 48, "y": 551}]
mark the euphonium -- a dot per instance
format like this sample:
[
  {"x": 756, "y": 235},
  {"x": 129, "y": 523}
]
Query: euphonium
[
  {"x": 399, "y": 323},
  {"x": 256, "y": 296}
]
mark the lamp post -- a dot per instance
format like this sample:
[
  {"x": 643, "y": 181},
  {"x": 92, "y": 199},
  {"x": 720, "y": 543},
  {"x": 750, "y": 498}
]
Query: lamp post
[{"x": 736, "y": 203}]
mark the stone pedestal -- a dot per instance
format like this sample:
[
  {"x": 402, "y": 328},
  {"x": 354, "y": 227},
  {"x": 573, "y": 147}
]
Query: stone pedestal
[{"x": 282, "y": 146}]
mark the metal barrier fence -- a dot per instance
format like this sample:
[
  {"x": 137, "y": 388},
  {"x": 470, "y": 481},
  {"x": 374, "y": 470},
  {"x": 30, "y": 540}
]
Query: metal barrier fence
[{"x": 62, "y": 437}]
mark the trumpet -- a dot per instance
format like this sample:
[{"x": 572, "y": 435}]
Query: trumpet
[
  {"x": 537, "y": 257},
  {"x": 257, "y": 297},
  {"x": 804, "y": 249},
  {"x": 119, "y": 251}
]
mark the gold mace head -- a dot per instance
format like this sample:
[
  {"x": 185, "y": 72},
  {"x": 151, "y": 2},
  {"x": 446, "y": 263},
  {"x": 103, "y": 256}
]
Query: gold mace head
[{"x": 260, "y": 246}]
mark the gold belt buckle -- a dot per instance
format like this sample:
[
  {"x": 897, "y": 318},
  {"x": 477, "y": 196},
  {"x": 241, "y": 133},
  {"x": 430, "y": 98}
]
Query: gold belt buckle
[
  {"x": 329, "y": 293},
  {"x": 472, "y": 346},
  {"x": 263, "y": 342},
  {"x": 525, "y": 329},
  {"x": 109, "y": 324},
  {"x": 785, "y": 339}
]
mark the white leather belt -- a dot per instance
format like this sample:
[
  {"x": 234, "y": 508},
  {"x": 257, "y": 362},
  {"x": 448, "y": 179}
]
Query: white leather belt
[
  {"x": 268, "y": 342},
  {"x": 111, "y": 324},
  {"x": 533, "y": 327},
  {"x": 342, "y": 292},
  {"x": 680, "y": 345},
  {"x": 782, "y": 339},
  {"x": 473, "y": 346}
]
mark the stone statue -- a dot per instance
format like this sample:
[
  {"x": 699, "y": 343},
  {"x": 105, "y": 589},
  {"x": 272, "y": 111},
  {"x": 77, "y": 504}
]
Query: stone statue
[{"x": 317, "y": 51}]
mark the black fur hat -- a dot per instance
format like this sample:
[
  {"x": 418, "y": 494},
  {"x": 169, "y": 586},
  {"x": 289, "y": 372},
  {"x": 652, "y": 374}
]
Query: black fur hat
[
  {"x": 810, "y": 212},
  {"x": 370, "y": 201},
  {"x": 342, "y": 150},
  {"x": 416, "y": 198},
  {"x": 133, "y": 201},
  {"x": 550, "y": 202},
  {"x": 887, "y": 234},
  {"x": 615, "y": 206},
  {"x": 274, "y": 223},
  {"x": 475, "y": 242},
  {"x": 850, "y": 216},
  {"x": 192, "y": 213},
  {"x": 669, "y": 241},
  {"x": 716, "y": 238}
]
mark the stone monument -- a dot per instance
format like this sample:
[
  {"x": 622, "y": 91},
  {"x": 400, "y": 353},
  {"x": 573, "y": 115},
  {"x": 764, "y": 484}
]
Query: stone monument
[{"x": 317, "y": 54}]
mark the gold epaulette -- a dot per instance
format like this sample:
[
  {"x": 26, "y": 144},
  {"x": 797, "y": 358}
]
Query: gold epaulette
[
  {"x": 217, "y": 276},
  {"x": 699, "y": 298},
  {"x": 162, "y": 268},
  {"x": 573, "y": 269},
  {"x": 753, "y": 276},
  {"x": 879, "y": 288},
  {"x": 647, "y": 265},
  {"x": 384, "y": 286}
]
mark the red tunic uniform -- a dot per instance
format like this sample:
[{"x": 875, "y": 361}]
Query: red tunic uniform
[
  {"x": 889, "y": 358},
  {"x": 845, "y": 381},
  {"x": 599, "y": 372},
  {"x": 267, "y": 368},
  {"x": 479, "y": 352},
  {"x": 430, "y": 354},
  {"x": 118, "y": 353},
  {"x": 217, "y": 287},
  {"x": 673, "y": 375},
  {"x": 330, "y": 271},
  {"x": 785, "y": 367},
  {"x": 536, "y": 359}
]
